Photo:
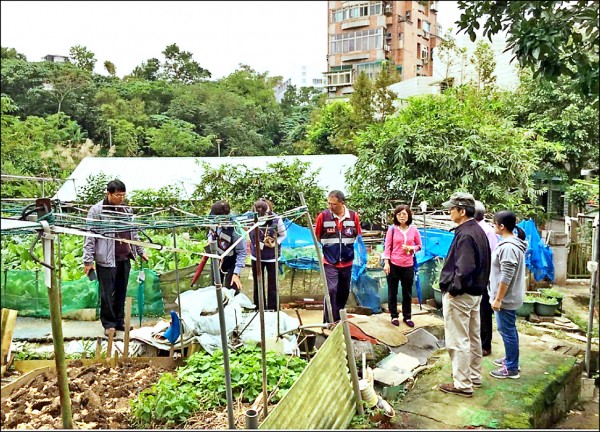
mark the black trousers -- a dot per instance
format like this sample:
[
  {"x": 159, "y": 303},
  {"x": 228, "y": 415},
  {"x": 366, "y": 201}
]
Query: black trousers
[
  {"x": 486, "y": 313},
  {"x": 405, "y": 276},
  {"x": 338, "y": 284},
  {"x": 113, "y": 290},
  {"x": 268, "y": 273}
]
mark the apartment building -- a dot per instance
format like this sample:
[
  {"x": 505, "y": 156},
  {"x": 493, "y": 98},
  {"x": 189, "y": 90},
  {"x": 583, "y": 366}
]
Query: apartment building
[{"x": 363, "y": 34}]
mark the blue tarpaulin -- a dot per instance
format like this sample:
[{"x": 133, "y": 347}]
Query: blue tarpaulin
[{"x": 538, "y": 256}]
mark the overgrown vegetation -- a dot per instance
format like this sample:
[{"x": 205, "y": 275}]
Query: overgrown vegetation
[{"x": 200, "y": 385}]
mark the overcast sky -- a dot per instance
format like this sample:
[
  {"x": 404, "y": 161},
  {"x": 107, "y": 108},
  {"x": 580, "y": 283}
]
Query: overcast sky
[{"x": 278, "y": 37}]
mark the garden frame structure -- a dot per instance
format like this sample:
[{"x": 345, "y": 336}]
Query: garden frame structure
[{"x": 49, "y": 224}]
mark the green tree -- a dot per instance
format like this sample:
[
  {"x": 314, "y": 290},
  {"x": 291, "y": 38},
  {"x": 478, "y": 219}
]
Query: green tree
[
  {"x": 383, "y": 97},
  {"x": 446, "y": 143},
  {"x": 361, "y": 101},
  {"x": 65, "y": 80},
  {"x": 331, "y": 130},
  {"x": 110, "y": 68},
  {"x": 148, "y": 70},
  {"x": 558, "y": 112},
  {"x": 242, "y": 186},
  {"x": 177, "y": 138},
  {"x": 179, "y": 66},
  {"x": 11, "y": 53},
  {"x": 485, "y": 63},
  {"x": 553, "y": 38},
  {"x": 82, "y": 58}
]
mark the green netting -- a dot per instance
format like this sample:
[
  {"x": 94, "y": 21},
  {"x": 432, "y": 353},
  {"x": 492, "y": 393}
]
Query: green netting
[{"x": 26, "y": 292}]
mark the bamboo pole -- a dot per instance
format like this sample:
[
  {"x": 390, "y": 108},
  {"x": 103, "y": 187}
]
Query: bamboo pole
[
  {"x": 214, "y": 263},
  {"x": 178, "y": 289},
  {"x": 320, "y": 258},
  {"x": 56, "y": 322},
  {"x": 261, "y": 311},
  {"x": 128, "y": 302}
]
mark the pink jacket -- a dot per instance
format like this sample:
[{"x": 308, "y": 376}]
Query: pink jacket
[{"x": 410, "y": 238}]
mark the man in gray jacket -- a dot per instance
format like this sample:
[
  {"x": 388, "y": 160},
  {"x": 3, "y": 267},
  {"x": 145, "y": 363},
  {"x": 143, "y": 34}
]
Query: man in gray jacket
[{"x": 111, "y": 256}]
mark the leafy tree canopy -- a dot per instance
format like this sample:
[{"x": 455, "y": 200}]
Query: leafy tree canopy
[
  {"x": 442, "y": 144},
  {"x": 553, "y": 38},
  {"x": 241, "y": 186}
]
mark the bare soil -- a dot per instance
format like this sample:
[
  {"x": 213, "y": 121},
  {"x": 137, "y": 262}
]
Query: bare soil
[{"x": 99, "y": 395}]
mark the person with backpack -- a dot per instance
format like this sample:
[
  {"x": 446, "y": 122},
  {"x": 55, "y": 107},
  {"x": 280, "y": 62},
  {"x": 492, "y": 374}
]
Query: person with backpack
[
  {"x": 270, "y": 230},
  {"x": 402, "y": 241}
]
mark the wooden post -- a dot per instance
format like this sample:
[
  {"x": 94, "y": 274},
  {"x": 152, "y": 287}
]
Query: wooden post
[
  {"x": 128, "y": 302},
  {"x": 351, "y": 362},
  {"x": 98, "y": 348},
  {"x": 111, "y": 335},
  {"x": 320, "y": 258},
  {"x": 56, "y": 322},
  {"x": 9, "y": 318}
]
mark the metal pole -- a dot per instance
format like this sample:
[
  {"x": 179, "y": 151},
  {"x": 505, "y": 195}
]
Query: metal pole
[
  {"x": 251, "y": 419},
  {"x": 276, "y": 276},
  {"x": 214, "y": 265},
  {"x": 351, "y": 362},
  {"x": 320, "y": 259},
  {"x": 593, "y": 267},
  {"x": 261, "y": 310},
  {"x": 178, "y": 290},
  {"x": 109, "y": 136},
  {"x": 56, "y": 322}
]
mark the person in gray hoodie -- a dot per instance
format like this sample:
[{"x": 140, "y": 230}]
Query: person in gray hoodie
[{"x": 507, "y": 289}]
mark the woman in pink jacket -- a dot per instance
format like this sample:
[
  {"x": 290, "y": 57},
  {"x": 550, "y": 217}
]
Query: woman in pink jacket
[{"x": 402, "y": 241}]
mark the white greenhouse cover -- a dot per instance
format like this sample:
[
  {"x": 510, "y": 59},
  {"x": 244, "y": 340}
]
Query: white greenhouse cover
[{"x": 155, "y": 172}]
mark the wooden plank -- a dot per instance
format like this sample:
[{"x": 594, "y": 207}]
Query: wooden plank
[
  {"x": 9, "y": 318},
  {"x": 128, "y": 301},
  {"x": 23, "y": 381}
]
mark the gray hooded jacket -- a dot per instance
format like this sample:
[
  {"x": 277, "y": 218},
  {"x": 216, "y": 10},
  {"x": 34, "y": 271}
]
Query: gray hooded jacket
[{"x": 508, "y": 266}]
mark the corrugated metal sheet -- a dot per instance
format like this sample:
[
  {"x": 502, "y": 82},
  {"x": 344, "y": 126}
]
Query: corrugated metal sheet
[{"x": 323, "y": 397}]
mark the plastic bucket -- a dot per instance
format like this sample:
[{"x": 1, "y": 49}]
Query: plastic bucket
[{"x": 367, "y": 392}]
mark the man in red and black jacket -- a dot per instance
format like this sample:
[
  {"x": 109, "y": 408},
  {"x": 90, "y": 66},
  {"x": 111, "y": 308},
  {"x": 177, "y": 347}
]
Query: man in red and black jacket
[{"x": 337, "y": 229}]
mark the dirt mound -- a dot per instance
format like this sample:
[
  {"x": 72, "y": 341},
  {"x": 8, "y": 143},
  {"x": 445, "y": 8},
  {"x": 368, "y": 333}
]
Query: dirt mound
[{"x": 100, "y": 397}]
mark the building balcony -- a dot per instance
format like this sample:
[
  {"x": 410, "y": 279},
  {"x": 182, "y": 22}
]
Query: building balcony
[
  {"x": 355, "y": 23},
  {"x": 338, "y": 78}
]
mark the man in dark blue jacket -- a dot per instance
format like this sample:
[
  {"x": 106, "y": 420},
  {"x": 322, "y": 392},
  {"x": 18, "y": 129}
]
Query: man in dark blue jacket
[{"x": 463, "y": 280}]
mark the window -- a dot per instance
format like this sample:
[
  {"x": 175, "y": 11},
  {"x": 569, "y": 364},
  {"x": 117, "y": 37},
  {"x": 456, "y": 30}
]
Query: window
[
  {"x": 356, "y": 11},
  {"x": 361, "y": 40},
  {"x": 418, "y": 50},
  {"x": 371, "y": 69},
  {"x": 400, "y": 41}
]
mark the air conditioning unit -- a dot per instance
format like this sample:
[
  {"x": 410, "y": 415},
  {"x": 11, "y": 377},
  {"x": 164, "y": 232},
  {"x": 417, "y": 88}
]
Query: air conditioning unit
[
  {"x": 332, "y": 89},
  {"x": 387, "y": 47},
  {"x": 434, "y": 6},
  {"x": 426, "y": 34},
  {"x": 388, "y": 35},
  {"x": 407, "y": 15},
  {"x": 387, "y": 9}
]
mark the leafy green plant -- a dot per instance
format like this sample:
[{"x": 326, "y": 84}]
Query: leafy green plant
[
  {"x": 200, "y": 384},
  {"x": 552, "y": 293},
  {"x": 94, "y": 188},
  {"x": 530, "y": 299},
  {"x": 547, "y": 300}
]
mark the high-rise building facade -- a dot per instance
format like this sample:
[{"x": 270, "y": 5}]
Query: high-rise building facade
[{"x": 363, "y": 34}]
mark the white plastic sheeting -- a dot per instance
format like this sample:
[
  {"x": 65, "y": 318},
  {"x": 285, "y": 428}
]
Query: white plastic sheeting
[{"x": 155, "y": 172}]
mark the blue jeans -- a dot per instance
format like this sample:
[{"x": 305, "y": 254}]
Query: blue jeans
[{"x": 507, "y": 327}]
